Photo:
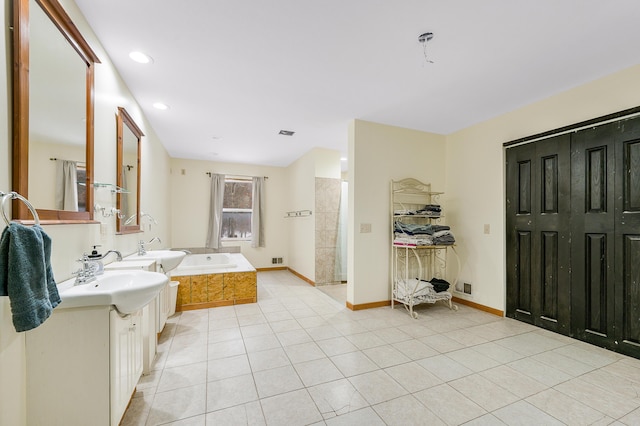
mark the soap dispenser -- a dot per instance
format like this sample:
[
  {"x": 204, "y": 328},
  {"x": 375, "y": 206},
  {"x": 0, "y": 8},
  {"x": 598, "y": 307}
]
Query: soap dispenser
[{"x": 95, "y": 260}]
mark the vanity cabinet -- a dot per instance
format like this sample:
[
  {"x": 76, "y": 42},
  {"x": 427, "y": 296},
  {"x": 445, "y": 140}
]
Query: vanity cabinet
[
  {"x": 149, "y": 312},
  {"x": 126, "y": 359},
  {"x": 82, "y": 366}
]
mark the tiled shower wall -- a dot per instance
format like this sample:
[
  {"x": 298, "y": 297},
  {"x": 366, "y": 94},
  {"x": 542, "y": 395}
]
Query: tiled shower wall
[{"x": 327, "y": 213}]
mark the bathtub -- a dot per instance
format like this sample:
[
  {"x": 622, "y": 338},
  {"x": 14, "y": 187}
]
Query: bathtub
[
  {"x": 212, "y": 280},
  {"x": 194, "y": 262}
]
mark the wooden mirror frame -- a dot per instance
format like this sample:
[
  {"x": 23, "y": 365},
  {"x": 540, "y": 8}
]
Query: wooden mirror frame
[
  {"x": 123, "y": 118},
  {"x": 20, "y": 177}
]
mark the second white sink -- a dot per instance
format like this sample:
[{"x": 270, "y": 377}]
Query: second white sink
[{"x": 168, "y": 259}]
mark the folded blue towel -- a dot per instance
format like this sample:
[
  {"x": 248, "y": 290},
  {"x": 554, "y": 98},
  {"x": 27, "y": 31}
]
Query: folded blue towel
[{"x": 26, "y": 275}]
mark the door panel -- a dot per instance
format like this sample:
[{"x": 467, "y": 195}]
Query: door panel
[
  {"x": 627, "y": 235},
  {"x": 538, "y": 210},
  {"x": 592, "y": 226}
]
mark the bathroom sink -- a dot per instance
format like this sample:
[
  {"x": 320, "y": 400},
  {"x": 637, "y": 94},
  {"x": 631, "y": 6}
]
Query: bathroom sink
[
  {"x": 128, "y": 291},
  {"x": 168, "y": 259}
]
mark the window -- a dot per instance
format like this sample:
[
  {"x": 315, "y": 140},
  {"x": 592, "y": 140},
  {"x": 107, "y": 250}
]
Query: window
[{"x": 237, "y": 209}]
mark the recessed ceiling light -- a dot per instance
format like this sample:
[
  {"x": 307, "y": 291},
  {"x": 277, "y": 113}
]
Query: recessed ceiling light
[
  {"x": 160, "y": 105},
  {"x": 286, "y": 132},
  {"x": 141, "y": 58}
]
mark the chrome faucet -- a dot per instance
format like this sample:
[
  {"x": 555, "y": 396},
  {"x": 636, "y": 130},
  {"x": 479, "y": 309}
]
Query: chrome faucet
[
  {"x": 92, "y": 266},
  {"x": 141, "y": 245},
  {"x": 102, "y": 256},
  {"x": 86, "y": 274}
]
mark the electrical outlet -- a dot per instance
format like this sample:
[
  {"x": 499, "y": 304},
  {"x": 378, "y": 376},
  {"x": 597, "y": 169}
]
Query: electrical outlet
[
  {"x": 467, "y": 288},
  {"x": 365, "y": 228}
]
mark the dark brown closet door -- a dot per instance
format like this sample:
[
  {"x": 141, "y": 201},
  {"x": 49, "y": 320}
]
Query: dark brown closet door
[
  {"x": 538, "y": 233},
  {"x": 627, "y": 237},
  {"x": 592, "y": 232}
]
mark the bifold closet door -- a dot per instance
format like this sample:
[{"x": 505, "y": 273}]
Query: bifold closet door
[
  {"x": 538, "y": 233},
  {"x": 627, "y": 237},
  {"x": 592, "y": 231},
  {"x": 606, "y": 236}
]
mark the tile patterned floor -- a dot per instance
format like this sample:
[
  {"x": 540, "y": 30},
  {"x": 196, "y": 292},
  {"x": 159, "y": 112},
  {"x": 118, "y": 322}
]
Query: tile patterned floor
[{"x": 298, "y": 357}]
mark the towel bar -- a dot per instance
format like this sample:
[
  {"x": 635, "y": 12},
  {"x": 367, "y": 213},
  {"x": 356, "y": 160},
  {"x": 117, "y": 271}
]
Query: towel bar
[{"x": 16, "y": 196}]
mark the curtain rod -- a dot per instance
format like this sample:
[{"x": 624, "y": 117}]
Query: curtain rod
[
  {"x": 54, "y": 159},
  {"x": 232, "y": 175}
]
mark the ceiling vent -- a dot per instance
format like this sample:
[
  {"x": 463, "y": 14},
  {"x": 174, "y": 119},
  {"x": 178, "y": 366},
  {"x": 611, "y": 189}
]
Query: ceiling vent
[{"x": 286, "y": 132}]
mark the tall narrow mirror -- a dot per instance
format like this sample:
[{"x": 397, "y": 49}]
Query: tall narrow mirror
[
  {"x": 128, "y": 173},
  {"x": 53, "y": 113}
]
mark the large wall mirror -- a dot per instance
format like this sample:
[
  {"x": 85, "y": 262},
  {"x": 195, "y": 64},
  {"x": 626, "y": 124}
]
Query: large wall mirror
[
  {"x": 128, "y": 172},
  {"x": 52, "y": 113}
]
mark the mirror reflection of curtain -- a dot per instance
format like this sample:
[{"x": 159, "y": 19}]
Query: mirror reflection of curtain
[
  {"x": 124, "y": 203},
  {"x": 257, "y": 225},
  {"x": 66, "y": 185},
  {"x": 214, "y": 233}
]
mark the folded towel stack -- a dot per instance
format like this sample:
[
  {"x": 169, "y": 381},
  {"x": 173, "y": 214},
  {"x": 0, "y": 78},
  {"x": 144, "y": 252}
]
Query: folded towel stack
[{"x": 26, "y": 275}]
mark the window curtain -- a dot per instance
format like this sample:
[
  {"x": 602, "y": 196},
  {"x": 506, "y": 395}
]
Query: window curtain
[
  {"x": 214, "y": 233},
  {"x": 66, "y": 185},
  {"x": 257, "y": 215}
]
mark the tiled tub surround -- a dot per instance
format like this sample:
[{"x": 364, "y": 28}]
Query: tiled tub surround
[
  {"x": 298, "y": 357},
  {"x": 212, "y": 280},
  {"x": 327, "y": 214}
]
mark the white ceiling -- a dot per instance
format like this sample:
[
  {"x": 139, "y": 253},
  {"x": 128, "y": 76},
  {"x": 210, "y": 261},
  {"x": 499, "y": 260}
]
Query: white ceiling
[{"x": 236, "y": 72}]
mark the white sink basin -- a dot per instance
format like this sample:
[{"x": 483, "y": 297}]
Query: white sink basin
[
  {"x": 128, "y": 291},
  {"x": 168, "y": 259}
]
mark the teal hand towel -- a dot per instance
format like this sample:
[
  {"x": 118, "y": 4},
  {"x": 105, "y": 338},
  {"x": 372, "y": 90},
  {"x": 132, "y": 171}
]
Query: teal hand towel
[{"x": 26, "y": 275}]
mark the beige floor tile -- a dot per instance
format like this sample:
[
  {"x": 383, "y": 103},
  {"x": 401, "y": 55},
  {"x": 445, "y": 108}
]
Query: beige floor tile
[
  {"x": 293, "y": 408},
  {"x": 336, "y": 346},
  {"x": 406, "y": 410},
  {"x": 230, "y": 392},
  {"x": 543, "y": 373},
  {"x": 386, "y": 356},
  {"x": 272, "y": 358},
  {"x": 224, "y": 334},
  {"x": 317, "y": 371},
  {"x": 603, "y": 400},
  {"x": 497, "y": 352},
  {"x": 449, "y": 405},
  {"x": 377, "y": 386},
  {"x": 226, "y": 349},
  {"x": 364, "y": 417},
  {"x": 353, "y": 363},
  {"x": 304, "y": 352},
  {"x": 183, "y": 355},
  {"x": 293, "y": 337},
  {"x": 473, "y": 359},
  {"x": 191, "y": 421},
  {"x": 514, "y": 381},
  {"x": 182, "y": 376},
  {"x": 177, "y": 404},
  {"x": 442, "y": 343},
  {"x": 286, "y": 325},
  {"x": 415, "y": 349},
  {"x": 245, "y": 414},
  {"x": 412, "y": 376},
  {"x": 223, "y": 368},
  {"x": 276, "y": 381},
  {"x": 484, "y": 392},
  {"x": 337, "y": 398},
  {"x": 524, "y": 414},
  {"x": 565, "y": 408},
  {"x": 255, "y": 330},
  {"x": 444, "y": 368},
  {"x": 261, "y": 343},
  {"x": 365, "y": 340},
  {"x": 323, "y": 332}
]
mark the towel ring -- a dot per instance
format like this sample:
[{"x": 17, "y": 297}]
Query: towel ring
[{"x": 16, "y": 196}]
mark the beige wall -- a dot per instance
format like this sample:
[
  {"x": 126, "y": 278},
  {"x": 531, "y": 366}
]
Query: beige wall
[
  {"x": 70, "y": 241},
  {"x": 190, "y": 207},
  {"x": 475, "y": 172},
  {"x": 378, "y": 154}
]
